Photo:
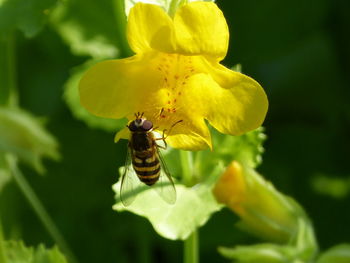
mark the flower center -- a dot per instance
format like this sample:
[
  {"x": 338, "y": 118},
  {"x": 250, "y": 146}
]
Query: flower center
[{"x": 175, "y": 70}]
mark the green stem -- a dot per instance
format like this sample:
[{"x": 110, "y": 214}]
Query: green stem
[
  {"x": 191, "y": 248},
  {"x": 39, "y": 209},
  {"x": 191, "y": 243},
  {"x": 187, "y": 167},
  {"x": 121, "y": 18},
  {"x": 2, "y": 246},
  {"x": 8, "y": 85}
]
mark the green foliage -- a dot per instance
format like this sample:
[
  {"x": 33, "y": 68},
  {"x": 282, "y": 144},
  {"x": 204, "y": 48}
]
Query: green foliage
[
  {"x": 337, "y": 254},
  {"x": 17, "y": 252},
  {"x": 27, "y": 17},
  {"x": 91, "y": 31},
  {"x": 71, "y": 97},
  {"x": 302, "y": 248},
  {"x": 88, "y": 27},
  {"x": 4, "y": 172},
  {"x": 332, "y": 186},
  {"x": 247, "y": 149},
  {"x": 24, "y": 136}
]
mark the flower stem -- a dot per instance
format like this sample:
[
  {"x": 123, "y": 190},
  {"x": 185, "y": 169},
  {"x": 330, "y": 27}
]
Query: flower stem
[
  {"x": 191, "y": 248},
  {"x": 187, "y": 167},
  {"x": 39, "y": 208},
  {"x": 191, "y": 243},
  {"x": 2, "y": 246},
  {"x": 8, "y": 85}
]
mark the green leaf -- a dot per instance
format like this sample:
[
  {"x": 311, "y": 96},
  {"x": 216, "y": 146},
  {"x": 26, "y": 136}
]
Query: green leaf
[
  {"x": 246, "y": 149},
  {"x": 5, "y": 175},
  {"x": 193, "y": 207},
  {"x": 24, "y": 135},
  {"x": 89, "y": 27},
  {"x": 302, "y": 249},
  {"x": 262, "y": 253},
  {"x": 17, "y": 252},
  {"x": 27, "y": 15},
  {"x": 337, "y": 254},
  {"x": 71, "y": 96}
]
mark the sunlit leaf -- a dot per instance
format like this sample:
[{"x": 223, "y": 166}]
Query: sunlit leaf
[
  {"x": 336, "y": 254},
  {"x": 25, "y": 136},
  {"x": 71, "y": 96},
  {"x": 17, "y": 252},
  {"x": 28, "y": 16},
  {"x": 88, "y": 27},
  {"x": 192, "y": 209}
]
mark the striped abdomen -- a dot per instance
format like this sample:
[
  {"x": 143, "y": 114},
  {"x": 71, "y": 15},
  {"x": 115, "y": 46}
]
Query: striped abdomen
[{"x": 146, "y": 165}]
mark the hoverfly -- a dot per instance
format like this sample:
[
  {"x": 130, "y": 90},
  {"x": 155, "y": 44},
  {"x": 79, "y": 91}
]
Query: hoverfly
[{"x": 145, "y": 162}]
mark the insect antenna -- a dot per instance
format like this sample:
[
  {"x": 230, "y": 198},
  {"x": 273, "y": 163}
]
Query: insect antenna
[{"x": 139, "y": 115}]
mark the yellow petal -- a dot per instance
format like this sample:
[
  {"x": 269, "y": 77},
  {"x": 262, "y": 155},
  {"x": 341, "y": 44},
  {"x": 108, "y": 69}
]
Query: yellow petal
[
  {"x": 149, "y": 27},
  {"x": 122, "y": 134},
  {"x": 201, "y": 29},
  {"x": 191, "y": 136},
  {"x": 232, "y": 102},
  {"x": 116, "y": 88}
]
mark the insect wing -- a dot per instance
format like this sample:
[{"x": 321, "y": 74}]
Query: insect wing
[
  {"x": 129, "y": 182},
  {"x": 165, "y": 186}
]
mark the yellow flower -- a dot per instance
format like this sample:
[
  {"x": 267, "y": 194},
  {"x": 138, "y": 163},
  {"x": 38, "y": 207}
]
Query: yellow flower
[{"x": 176, "y": 75}]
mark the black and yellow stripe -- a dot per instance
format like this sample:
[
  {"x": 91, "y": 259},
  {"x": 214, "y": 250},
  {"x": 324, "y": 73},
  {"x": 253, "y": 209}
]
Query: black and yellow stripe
[{"x": 147, "y": 166}]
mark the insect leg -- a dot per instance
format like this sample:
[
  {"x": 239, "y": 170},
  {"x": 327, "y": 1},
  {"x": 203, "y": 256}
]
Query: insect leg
[{"x": 163, "y": 138}]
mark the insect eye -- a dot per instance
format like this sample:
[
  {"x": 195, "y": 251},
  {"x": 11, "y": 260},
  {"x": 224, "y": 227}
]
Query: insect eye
[
  {"x": 132, "y": 126},
  {"x": 147, "y": 125}
]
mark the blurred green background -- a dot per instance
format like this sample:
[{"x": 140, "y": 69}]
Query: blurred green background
[{"x": 298, "y": 50}]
